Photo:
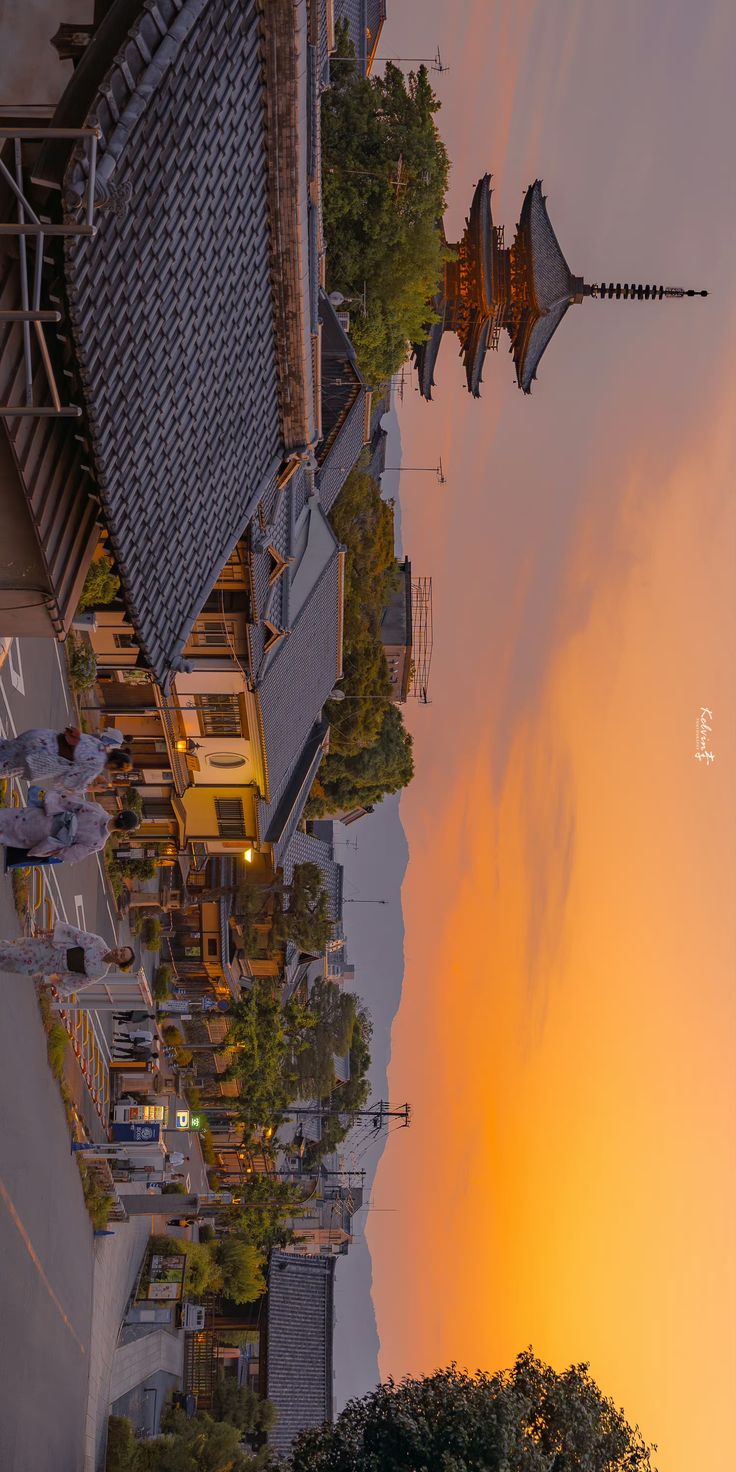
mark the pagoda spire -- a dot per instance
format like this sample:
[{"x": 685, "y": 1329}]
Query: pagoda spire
[{"x": 626, "y": 292}]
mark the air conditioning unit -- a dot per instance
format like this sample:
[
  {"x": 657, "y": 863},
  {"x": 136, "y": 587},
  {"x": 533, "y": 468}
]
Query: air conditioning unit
[
  {"x": 192, "y": 1318},
  {"x": 157, "y": 776}
]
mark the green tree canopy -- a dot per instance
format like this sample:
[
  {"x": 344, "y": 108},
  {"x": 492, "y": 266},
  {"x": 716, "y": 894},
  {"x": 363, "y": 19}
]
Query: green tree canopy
[
  {"x": 364, "y": 523},
  {"x": 385, "y": 172},
  {"x": 240, "y": 1405},
  {"x": 527, "y": 1419},
  {"x": 240, "y": 1267},
  {"x": 302, "y": 915},
  {"x": 385, "y": 766},
  {"x": 335, "y": 1012},
  {"x": 263, "y": 1208}
]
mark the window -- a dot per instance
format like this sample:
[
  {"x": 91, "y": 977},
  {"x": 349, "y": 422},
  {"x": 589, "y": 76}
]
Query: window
[
  {"x": 230, "y": 817},
  {"x": 227, "y": 759},
  {"x": 213, "y": 633},
  {"x": 125, "y": 641},
  {"x": 211, "y": 947},
  {"x": 219, "y": 715},
  {"x": 234, "y": 571}
]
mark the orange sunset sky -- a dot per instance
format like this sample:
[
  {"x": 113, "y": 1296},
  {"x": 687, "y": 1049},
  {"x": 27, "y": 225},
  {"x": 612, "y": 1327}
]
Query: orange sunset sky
[{"x": 566, "y": 1034}]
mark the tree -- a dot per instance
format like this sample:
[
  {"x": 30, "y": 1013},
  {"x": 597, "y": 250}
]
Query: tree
[
  {"x": 364, "y": 523},
  {"x": 100, "y": 585},
  {"x": 240, "y": 1267},
  {"x": 526, "y": 1419},
  {"x": 385, "y": 172},
  {"x": 242, "y": 1407},
  {"x": 386, "y": 766},
  {"x": 262, "y": 1211},
  {"x": 330, "y": 1038},
  {"x": 196, "y": 1444},
  {"x": 300, "y": 913},
  {"x": 302, "y": 916}
]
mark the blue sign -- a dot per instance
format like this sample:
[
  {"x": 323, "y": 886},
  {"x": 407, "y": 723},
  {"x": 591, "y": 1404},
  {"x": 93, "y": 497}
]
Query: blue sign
[{"x": 138, "y": 1134}]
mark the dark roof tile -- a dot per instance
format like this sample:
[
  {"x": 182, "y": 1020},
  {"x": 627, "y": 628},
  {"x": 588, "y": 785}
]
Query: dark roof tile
[{"x": 172, "y": 312}]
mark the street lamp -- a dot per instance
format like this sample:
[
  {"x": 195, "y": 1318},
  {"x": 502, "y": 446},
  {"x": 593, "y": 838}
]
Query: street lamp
[
  {"x": 187, "y": 745},
  {"x": 248, "y": 855}
]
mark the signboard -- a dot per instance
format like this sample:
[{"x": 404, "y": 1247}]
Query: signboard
[
  {"x": 140, "y": 1113},
  {"x": 137, "y": 1134},
  {"x": 216, "y": 1198},
  {"x": 182, "y": 1119},
  {"x": 164, "y": 1290},
  {"x": 166, "y": 1277},
  {"x": 173, "y": 1007}
]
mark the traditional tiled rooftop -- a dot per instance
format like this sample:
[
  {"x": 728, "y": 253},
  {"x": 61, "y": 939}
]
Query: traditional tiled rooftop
[
  {"x": 171, "y": 307},
  {"x": 299, "y": 1352}
]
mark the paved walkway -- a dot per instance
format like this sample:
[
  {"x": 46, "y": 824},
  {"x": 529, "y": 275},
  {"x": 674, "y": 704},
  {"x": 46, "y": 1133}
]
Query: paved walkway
[
  {"x": 117, "y": 1263},
  {"x": 143, "y": 1358}
]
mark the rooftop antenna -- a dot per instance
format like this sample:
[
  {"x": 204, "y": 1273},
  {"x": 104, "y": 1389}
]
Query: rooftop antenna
[{"x": 438, "y": 64}]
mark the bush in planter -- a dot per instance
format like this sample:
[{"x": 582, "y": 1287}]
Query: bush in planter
[
  {"x": 162, "y": 981},
  {"x": 82, "y": 664},
  {"x": 150, "y": 933}
]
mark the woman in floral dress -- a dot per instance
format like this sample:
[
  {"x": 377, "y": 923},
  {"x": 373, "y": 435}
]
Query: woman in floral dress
[
  {"x": 69, "y": 760},
  {"x": 61, "y": 827},
  {"x": 76, "y": 957}
]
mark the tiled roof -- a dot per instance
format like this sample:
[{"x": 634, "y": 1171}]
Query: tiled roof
[
  {"x": 552, "y": 282},
  {"x": 551, "y": 273},
  {"x": 299, "y": 1344},
  {"x": 278, "y": 819},
  {"x": 307, "y": 848},
  {"x": 300, "y": 674},
  {"x": 343, "y": 407},
  {"x": 171, "y": 307}
]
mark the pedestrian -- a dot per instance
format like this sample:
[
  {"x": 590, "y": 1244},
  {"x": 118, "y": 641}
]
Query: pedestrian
[
  {"x": 76, "y": 957},
  {"x": 69, "y": 759},
  {"x": 61, "y": 827}
]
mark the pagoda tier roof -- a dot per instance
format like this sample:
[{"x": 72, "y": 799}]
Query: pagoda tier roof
[
  {"x": 478, "y": 243},
  {"x": 550, "y": 286},
  {"x": 425, "y": 356}
]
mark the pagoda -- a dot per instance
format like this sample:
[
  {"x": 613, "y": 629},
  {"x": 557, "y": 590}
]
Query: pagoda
[{"x": 524, "y": 289}]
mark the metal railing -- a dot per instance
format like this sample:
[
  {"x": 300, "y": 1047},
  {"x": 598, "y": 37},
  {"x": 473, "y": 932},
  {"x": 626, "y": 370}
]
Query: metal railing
[{"x": 29, "y": 226}]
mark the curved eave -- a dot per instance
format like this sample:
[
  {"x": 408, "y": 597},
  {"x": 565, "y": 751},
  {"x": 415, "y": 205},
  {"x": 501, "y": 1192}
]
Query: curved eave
[{"x": 480, "y": 227}]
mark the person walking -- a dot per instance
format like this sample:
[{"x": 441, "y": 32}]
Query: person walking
[
  {"x": 61, "y": 827},
  {"x": 75, "y": 957},
  {"x": 69, "y": 759}
]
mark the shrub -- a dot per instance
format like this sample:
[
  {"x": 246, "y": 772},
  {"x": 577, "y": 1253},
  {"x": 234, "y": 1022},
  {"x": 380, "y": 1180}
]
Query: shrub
[
  {"x": 162, "y": 981},
  {"x": 96, "y": 1198},
  {"x": 82, "y": 663},
  {"x": 123, "y": 1451},
  {"x": 206, "y": 1233},
  {"x": 57, "y": 1039},
  {"x": 22, "y": 891},
  {"x": 100, "y": 585},
  {"x": 171, "y": 1035},
  {"x": 150, "y": 934},
  {"x": 174, "y": 1188},
  {"x": 133, "y": 801}
]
